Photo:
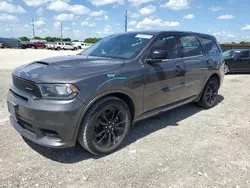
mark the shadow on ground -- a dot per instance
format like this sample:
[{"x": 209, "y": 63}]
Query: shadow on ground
[{"x": 138, "y": 131}]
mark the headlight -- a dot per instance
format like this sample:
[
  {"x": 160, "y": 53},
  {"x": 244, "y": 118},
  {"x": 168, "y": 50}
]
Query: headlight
[{"x": 58, "y": 91}]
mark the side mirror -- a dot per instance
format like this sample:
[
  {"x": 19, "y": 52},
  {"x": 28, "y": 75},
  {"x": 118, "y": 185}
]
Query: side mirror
[{"x": 158, "y": 56}]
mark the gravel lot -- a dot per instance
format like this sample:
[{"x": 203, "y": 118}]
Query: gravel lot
[{"x": 186, "y": 147}]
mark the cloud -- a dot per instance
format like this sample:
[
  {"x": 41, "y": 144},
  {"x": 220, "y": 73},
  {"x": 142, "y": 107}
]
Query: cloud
[
  {"x": 188, "y": 16},
  {"x": 57, "y": 24},
  {"x": 215, "y": 9},
  {"x": 132, "y": 22},
  {"x": 86, "y": 23},
  {"x": 37, "y": 3},
  {"x": 148, "y": 10},
  {"x": 79, "y": 9},
  {"x": 39, "y": 11},
  {"x": 246, "y": 27},
  {"x": 105, "y": 2},
  {"x": 65, "y": 17},
  {"x": 58, "y": 6},
  {"x": 225, "y": 17},
  {"x": 98, "y": 13},
  {"x": 8, "y": 18},
  {"x": 177, "y": 4},
  {"x": 148, "y": 23},
  {"x": 133, "y": 15},
  {"x": 39, "y": 23},
  {"x": 139, "y": 2},
  {"x": 11, "y": 8},
  {"x": 105, "y": 17}
]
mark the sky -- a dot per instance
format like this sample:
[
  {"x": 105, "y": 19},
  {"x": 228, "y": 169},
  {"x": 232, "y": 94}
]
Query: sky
[{"x": 228, "y": 20}]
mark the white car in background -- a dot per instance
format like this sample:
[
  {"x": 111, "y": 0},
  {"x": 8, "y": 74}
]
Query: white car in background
[
  {"x": 81, "y": 45},
  {"x": 64, "y": 46},
  {"x": 50, "y": 45}
]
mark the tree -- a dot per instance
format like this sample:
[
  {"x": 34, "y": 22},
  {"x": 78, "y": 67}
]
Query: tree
[
  {"x": 92, "y": 40},
  {"x": 24, "y": 38},
  {"x": 66, "y": 39}
]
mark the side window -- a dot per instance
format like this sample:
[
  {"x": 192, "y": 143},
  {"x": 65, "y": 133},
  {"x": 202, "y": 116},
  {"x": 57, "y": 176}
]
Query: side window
[
  {"x": 190, "y": 46},
  {"x": 244, "y": 54},
  {"x": 210, "y": 46},
  {"x": 59, "y": 43},
  {"x": 167, "y": 44}
]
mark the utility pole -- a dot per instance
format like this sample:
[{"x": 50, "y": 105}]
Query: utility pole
[
  {"x": 61, "y": 32},
  {"x": 33, "y": 28},
  {"x": 126, "y": 21}
]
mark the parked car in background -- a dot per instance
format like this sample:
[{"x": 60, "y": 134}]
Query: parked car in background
[
  {"x": 50, "y": 45},
  {"x": 36, "y": 45},
  {"x": 237, "y": 60},
  {"x": 11, "y": 42},
  {"x": 96, "y": 96},
  {"x": 2, "y": 45},
  {"x": 81, "y": 45},
  {"x": 65, "y": 46},
  {"x": 24, "y": 44}
]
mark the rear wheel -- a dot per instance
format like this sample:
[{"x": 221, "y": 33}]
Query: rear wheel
[
  {"x": 105, "y": 126},
  {"x": 210, "y": 93}
]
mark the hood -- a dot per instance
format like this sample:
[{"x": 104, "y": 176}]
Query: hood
[{"x": 62, "y": 69}]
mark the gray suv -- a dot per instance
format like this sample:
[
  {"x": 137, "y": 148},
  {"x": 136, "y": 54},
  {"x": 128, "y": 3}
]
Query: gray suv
[{"x": 94, "y": 97}]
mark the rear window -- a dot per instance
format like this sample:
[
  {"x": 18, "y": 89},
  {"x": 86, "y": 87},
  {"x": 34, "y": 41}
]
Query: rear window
[
  {"x": 210, "y": 46},
  {"x": 190, "y": 46}
]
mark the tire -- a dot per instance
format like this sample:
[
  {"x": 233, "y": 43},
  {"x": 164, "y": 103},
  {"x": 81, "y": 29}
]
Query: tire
[
  {"x": 114, "y": 128},
  {"x": 210, "y": 93},
  {"x": 226, "y": 69},
  {"x": 58, "y": 48}
]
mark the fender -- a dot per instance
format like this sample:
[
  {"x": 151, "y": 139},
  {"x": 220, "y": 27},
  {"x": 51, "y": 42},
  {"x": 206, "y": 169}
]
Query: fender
[{"x": 92, "y": 101}]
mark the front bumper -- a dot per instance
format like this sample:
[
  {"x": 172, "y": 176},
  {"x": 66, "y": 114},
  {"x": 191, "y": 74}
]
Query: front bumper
[{"x": 48, "y": 123}]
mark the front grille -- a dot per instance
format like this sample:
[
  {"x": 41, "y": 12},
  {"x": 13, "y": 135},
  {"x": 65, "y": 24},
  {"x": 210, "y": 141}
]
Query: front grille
[{"x": 26, "y": 86}]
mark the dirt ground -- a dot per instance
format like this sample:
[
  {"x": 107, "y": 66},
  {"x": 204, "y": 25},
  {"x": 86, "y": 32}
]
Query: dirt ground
[{"x": 186, "y": 147}]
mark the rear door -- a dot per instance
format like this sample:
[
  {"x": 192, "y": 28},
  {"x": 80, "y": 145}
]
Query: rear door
[
  {"x": 195, "y": 65},
  {"x": 163, "y": 79}
]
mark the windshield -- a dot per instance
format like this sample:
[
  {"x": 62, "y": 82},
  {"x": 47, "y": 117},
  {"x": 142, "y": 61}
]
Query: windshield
[
  {"x": 124, "y": 46},
  {"x": 230, "y": 53}
]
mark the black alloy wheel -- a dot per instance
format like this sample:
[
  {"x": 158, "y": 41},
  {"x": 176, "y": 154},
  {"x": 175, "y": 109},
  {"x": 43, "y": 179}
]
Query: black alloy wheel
[
  {"x": 105, "y": 126},
  {"x": 109, "y": 127},
  {"x": 210, "y": 93}
]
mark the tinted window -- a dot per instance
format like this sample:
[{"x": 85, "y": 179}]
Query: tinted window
[
  {"x": 67, "y": 43},
  {"x": 210, "y": 46},
  {"x": 168, "y": 44},
  {"x": 244, "y": 54},
  {"x": 190, "y": 46}
]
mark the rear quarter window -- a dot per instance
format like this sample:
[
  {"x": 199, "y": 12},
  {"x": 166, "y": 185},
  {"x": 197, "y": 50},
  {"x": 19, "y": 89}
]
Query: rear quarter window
[{"x": 210, "y": 46}]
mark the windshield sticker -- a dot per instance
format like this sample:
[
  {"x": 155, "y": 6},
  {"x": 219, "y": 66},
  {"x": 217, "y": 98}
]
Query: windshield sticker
[{"x": 144, "y": 36}]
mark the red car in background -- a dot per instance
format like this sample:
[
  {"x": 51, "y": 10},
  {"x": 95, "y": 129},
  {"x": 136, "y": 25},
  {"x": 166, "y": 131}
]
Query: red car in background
[{"x": 37, "y": 45}]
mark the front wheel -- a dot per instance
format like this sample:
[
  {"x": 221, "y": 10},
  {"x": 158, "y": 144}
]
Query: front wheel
[
  {"x": 105, "y": 126},
  {"x": 210, "y": 93},
  {"x": 226, "y": 69}
]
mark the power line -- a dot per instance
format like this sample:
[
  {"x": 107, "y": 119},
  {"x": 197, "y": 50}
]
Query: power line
[
  {"x": 126, "y": 21},
  {"x": 61, "y": 32}
]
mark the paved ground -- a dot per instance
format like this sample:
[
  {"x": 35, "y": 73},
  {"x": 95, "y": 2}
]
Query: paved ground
[{"x": 186, "y": 147}]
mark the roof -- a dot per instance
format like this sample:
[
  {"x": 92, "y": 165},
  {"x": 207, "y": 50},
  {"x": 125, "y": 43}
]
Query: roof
[{"x": 152, "y": 32}]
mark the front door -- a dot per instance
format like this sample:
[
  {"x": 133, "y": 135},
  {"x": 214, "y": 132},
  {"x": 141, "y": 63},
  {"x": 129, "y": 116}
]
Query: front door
[
  {"x": 163, "y": 84},
  {"x": 242, "y": 62}
]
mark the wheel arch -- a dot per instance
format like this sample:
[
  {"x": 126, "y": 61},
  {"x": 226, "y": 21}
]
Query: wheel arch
[{"x": 121, "y": 94}]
